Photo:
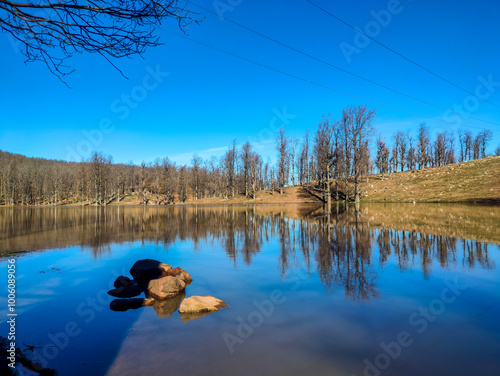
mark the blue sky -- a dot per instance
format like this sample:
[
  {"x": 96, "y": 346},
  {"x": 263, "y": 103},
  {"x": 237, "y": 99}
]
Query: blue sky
[{"x": 186, "y": 98}]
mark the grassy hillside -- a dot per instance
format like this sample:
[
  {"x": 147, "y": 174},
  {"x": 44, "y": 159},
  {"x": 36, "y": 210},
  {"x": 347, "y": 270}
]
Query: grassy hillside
[{"x": 475, "y": 181}]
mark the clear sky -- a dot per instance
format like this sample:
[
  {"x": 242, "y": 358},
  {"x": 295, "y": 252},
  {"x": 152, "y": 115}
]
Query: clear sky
[{"x": 185, "y": 98}]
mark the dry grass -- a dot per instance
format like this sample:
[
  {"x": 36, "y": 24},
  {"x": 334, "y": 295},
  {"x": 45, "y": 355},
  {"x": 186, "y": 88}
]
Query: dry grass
[{"x": 476, "y": 181}]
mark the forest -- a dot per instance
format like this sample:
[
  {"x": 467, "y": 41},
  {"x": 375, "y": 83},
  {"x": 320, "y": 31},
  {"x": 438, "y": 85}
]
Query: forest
[{"x": 338, "y": 154}]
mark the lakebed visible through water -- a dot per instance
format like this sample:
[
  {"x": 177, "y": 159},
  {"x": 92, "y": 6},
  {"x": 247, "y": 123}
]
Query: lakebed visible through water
[{"x": 396, "y": 289}]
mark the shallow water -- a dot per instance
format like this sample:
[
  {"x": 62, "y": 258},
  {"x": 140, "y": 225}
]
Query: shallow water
[{"x": 386, "y": 289}]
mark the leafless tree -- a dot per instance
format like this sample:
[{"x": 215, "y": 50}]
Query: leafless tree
[
  {"x": 383, "y": 153},
  {"x": 196, "y": 176},
  {"x": 303, "y": 160},
  {"x": 293, "y": 150},
  {"x": 469, "y": 145},
  {"x": 358, "y": 120},
  {"x": 100, "y": 175},
  {"x": 325, "y": 151},
  {"x": 255, "y": 167},
  {"x": 246, "y": 156},
  {"x": 53, "y": 30},
  {"x": 411, "y": 156},
  {"x": 423, "y": 146},
  {"x": 169, "y": 179},
  {"x": 484, "y": 136},
  {"x": 282, "y": 145},
  {"x": 461, "y": 142},
  {"x": 183, "y": 184},
  {"x": 400, "y": 148},
  {"x": 230, "y": 167}
]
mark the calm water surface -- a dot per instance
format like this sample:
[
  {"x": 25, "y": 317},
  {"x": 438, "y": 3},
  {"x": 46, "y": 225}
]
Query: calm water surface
[{"x": 386, "y": 289}]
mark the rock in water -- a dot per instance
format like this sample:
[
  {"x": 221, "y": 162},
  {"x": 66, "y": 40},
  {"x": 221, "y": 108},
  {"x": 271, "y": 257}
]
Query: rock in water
[
  {"x": 166, "y": 307},
  {"x": 180, "y": 274},
  {"x": 147, "y": 269},
  {"x": 165, "y": 287},
  {"x": 122, "y": 281},
  {"x": 200, "y": 304},
  {"x": 126, "y": 304},
  {"x": 185, "y": 317},
  {"x": 128, "y": 291}
]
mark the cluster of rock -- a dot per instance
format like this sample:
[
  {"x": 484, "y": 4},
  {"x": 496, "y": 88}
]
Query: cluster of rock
[{"x": 164, "y": 289}]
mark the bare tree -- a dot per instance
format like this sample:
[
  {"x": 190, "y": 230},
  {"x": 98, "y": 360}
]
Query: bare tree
[
  {"x": 246, "y": 157},
  {"x": 183, "y": 184},
  {"x": 144, "y": 183},
  {"x": 469, "y": 145},
  {"x": 303, "y": 160},
  {"x": 359, "y": 125},
  {"x": 168, "y": 179},
  {"x": 196, "y": 176},
  {"x": 411, "y": 155},
  {"x": 383, "y": 153},
  {"x": 485, "y": 136},
  {"x": 401, "y": 148},
  {"x": 293, "y": 150},
  {"x": 347, "y": 121},
  {"x": 461, "y": 141},
  {"x": 325, "y": 150},
  {"x": 100, "y": 174},
  {"x": 423, "y": 146},
  {"x": 230, "y": 166},
  {"x": 53, "y": 30},
  {"x": 255, "y": 167},
  {"x": 282, "y": 144}
]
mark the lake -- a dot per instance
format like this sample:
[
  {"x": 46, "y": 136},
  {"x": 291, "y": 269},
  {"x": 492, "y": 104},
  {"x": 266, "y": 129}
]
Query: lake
[{"x": 382, "y": 289}]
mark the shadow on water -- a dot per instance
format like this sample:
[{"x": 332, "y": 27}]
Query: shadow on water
[{"x": 347, "y": 247}]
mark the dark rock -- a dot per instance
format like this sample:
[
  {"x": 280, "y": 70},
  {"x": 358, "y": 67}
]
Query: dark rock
[
  {"x": 128, "y": 291},
  {"x": 165, "y": 287},
  {"x": 147, "y": 269},
  {"x": 122, "y": 281},
  {"x": 126, "y": 304}
]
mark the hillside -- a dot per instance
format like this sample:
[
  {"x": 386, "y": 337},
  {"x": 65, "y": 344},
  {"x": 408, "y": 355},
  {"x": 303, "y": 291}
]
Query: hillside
[{"x": 475, "y": 181}]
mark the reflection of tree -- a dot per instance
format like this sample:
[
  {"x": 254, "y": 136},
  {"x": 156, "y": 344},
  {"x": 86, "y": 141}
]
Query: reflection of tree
[
  {"x": 341, "y": 244},
  {"x": 343, "y": 259}
]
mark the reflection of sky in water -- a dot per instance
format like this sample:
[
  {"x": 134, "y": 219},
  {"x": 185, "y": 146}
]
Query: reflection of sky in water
[{"x": 345, "y": 291}]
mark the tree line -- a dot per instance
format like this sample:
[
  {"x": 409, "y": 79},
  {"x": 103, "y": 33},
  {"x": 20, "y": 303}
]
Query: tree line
[{"x": 333, "y": 161}]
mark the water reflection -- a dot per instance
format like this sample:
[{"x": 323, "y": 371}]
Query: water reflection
[{"x": 348, "y": 246}]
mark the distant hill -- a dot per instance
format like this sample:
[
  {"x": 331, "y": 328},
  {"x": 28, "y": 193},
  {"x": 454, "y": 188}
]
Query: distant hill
[{"x": 476, "y": 181}]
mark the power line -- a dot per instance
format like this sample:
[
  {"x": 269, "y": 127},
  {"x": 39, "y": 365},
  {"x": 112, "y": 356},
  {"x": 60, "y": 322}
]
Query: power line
[
  {"x": 337, "y": 67},
  {"x": 310, "y": 81},
  {"x": 402, "y": 56}
]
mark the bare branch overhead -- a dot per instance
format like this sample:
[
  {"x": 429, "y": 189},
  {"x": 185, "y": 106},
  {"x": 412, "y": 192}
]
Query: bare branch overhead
[{"x": 53, "y": 30}]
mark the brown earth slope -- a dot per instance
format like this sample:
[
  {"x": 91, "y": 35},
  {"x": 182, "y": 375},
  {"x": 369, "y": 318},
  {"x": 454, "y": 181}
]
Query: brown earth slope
[{"x": 475, "y": 181}]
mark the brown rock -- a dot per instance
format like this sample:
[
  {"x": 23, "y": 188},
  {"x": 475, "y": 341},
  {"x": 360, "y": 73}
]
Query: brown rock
[
  {"x": 147, "y": 269},
  {"x": 185, "y": 317},
  {"x": 200, "y": 304},
  {"x": 166, "y": 307},
  {"x": 126, "y": 304},
  {"x": 180, "y": 274},
  {"x": 165, "y": 287}
]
